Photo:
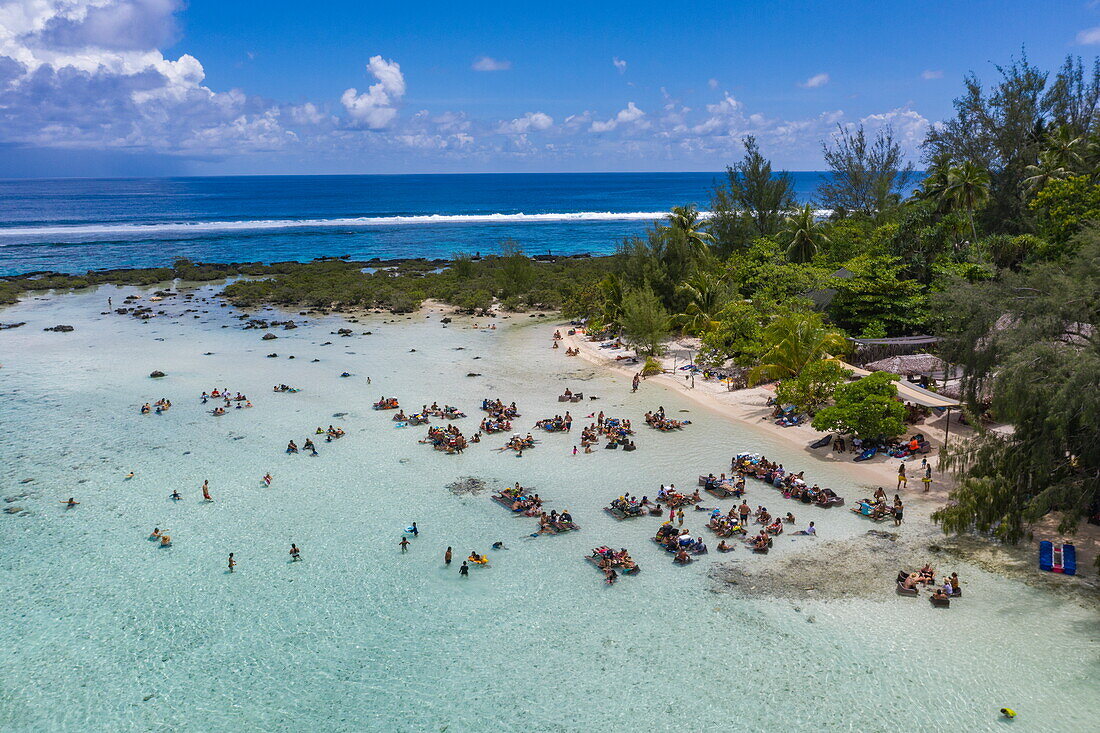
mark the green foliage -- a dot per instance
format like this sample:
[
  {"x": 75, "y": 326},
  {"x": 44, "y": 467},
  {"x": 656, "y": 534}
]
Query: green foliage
[
  {"x": 867, "y": 175},
  {"x": 645, "y": 321},
  {"x": 651, "y": 367},
  {"x": 1030, "y": 341},
  {"x": 878, "y": 294},
  {"x": 737, "y": 334},
  {"x": 1064, "y": 207},
  {"x": 813, "y": 387},
  {"x": 794, "y": 341},
  {"x": 752, "y": 203},
  {"x": 867, "y": 408},
  {"x": 802, "y": 235}
]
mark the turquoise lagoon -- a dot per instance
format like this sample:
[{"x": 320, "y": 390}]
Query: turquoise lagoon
[{"x": 102, "y": 630}]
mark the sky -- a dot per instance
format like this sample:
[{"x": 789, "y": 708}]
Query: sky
[{"x": 224, "y": 87}]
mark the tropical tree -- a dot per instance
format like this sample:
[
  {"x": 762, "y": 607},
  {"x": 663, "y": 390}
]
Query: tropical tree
[
  {"x": 967, "y": 189},
  {"x": 1029, "y": 343},
  {"x": 794, "y": 341},
  {"x": 1039, "y": 174},
  {"x": 645, "y": 321},
  {"x": 686, "y": 219},
  {"x": 753, "y": 201},
  {"x": 866, "y": 175},
  {"x": 868, "y": 408},
  {"x": 803, "y": 235},
  {"x": 707, "y": 292},
  {"x": 813, "y": 387}
]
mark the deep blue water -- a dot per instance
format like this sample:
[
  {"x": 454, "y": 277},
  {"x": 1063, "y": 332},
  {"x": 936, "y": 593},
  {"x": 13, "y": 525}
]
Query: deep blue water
[{"x": 73, "y": 225}]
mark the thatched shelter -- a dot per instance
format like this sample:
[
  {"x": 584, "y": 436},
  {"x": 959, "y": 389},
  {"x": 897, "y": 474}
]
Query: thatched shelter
[{"x": 909, "y": 365}]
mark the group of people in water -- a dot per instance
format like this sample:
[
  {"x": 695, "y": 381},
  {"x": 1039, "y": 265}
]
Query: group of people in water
[
  {"x": 557, "y": 423},
  {"x": 610, "y": 562},
  {"x": 449, "y": 439},
  {"x": 330, "y": 434},
  {"x": 792, "y": 485},
  {"x": 908, "y": 583},
  {"x": 238, "y": 401},
  {"x": 160, "y": 406},
  {"x": 520, "y": 500},
  {"x": 680, "y": 543},
  {"x": 658, "y": 420},
  {"x": 879, "y": 509}
]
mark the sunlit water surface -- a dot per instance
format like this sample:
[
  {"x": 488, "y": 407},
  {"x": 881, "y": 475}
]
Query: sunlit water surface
[{"x": 102, "y": 630}]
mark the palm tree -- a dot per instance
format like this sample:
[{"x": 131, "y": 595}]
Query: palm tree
[
  {"x": 795, "y": 340},
  {"x": 686, "y": 219},
  {"x": 707, "y": 293},
  {"x": 802, "y": 235},
  {"x": 967, "y": 189},
  {"x": 1043, "y": 172}
]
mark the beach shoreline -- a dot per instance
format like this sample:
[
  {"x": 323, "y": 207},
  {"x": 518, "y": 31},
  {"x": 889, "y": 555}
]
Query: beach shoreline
[{"x": 748, "y": 406}]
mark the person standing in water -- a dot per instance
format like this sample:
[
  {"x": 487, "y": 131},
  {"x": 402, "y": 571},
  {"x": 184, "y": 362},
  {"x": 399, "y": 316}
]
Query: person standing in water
[
  {"x": 70, "y": 503},
  {"x": 447, "y": 556},
  {"x": 232, "y": 562},
  {"x": 404, "y": 544},
  {"x": 414, "y": 530},
  {"x": 464, "y": 570},
  {"x": 295, "y": 553},
  {"x": 206, "y": 491}
]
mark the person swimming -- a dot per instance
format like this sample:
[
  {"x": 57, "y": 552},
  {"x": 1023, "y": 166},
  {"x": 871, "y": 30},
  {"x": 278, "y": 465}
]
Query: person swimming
[
  {"x": 498, "y": 545},
  {"x": 128, "y": 476},
  {"x": 70, "y": 503},
  {"x": 175, "y": 496}
]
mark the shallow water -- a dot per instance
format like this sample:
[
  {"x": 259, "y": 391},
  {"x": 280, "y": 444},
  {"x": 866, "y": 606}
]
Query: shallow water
[{"x": 102, "y": 630}]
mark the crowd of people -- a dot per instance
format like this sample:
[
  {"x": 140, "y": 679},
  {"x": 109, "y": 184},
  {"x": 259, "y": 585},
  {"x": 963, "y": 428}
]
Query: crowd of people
[
  {"x": 793, "y": 485},
  {"x": 610, "y": 561},
  {"x": 658, "y": 420},
  {"x": 448, "y": 439}
]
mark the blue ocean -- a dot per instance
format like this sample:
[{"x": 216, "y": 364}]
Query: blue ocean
[{"x": 74, "y": 225}]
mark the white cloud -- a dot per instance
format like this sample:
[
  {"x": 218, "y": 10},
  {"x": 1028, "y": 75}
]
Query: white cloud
[
  {"x": 712, "y": 83},
  {"x": 815, "y": 81},
  {"x": 375, "y": 108},
  {"x": 909, "y": 126},
  {"x": 1089, "y": 36},
  {"x": 307, "y": 114},
  {"x": 488, "y": 63},
  {"x": 631, "y": 114},
  {"x": 619, "y": 64},
  {"x": 931, "y": 74},
  {"x": 530, "y": 122}
]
